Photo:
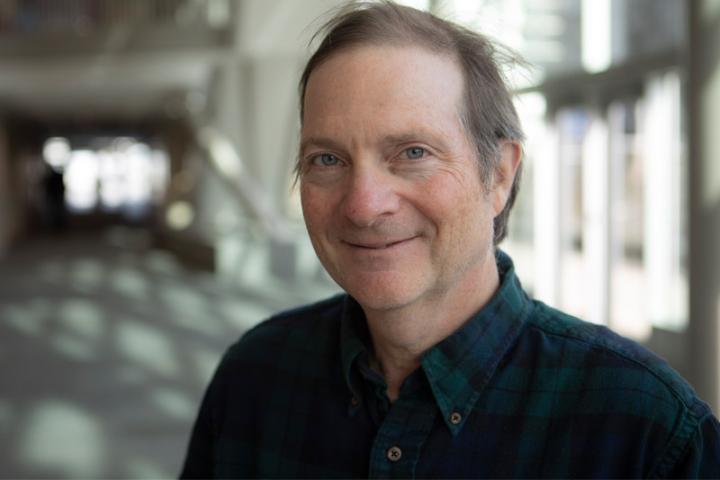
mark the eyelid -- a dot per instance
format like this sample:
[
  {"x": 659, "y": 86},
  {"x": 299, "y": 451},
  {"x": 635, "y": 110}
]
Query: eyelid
[
  {"x": 405, "y": 148},
  {"x": 311, "y": 158}
]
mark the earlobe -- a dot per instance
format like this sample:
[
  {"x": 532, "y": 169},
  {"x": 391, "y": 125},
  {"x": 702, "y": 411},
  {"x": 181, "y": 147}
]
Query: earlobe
[{"x": 510, "y": 158}]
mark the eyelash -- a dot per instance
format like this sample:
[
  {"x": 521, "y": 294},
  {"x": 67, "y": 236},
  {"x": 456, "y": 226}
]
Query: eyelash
[{"x": 317, "y": 160}]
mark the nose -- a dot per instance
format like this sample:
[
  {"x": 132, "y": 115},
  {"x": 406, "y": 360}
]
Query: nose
[{"x": 370, "y": 195}]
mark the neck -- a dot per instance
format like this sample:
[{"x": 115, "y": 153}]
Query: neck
[{"x": 402, "y": 335}]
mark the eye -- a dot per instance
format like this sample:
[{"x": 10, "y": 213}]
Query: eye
[
  {"x": 414, "y": 153},
  {"x": 325, "y": 160}
]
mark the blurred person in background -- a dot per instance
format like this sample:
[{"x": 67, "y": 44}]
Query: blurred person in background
[
  {"x": 434, "y": 363},
  {"x": 53, "y": 204}
]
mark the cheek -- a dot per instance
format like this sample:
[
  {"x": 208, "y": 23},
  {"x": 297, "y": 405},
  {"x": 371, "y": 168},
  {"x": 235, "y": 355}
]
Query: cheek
[
  {"x": 455, "y": 199},
  {"x": 316, "y": 208},
  {"x": 462, "y": 214}
]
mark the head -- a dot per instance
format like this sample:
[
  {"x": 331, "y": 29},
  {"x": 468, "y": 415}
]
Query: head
[
  {"x": 487, "y": 112},
  {"x": 404, "y": 171}
]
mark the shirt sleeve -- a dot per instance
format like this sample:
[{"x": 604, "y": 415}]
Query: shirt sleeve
[
  {"x": 702, "y": 458},
  {"x": 199, "y": 458}
]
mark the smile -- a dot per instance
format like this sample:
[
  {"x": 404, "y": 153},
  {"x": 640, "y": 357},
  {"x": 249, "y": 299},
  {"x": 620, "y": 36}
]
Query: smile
[{"x": 379, "y": 245}]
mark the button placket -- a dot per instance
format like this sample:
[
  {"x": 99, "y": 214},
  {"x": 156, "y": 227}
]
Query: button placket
[{"x": 400, "y": 439}]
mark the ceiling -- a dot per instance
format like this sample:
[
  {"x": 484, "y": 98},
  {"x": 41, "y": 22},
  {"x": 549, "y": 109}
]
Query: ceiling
[{"x": 131, "y": 70}]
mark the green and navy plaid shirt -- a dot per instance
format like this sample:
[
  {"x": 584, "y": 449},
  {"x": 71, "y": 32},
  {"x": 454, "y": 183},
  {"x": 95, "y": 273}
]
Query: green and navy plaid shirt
[{"x": 521, "y": 390}]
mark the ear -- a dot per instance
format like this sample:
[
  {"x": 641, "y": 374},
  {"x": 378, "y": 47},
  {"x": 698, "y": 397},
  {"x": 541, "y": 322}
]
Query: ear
[{"x": 510, "y": 157}]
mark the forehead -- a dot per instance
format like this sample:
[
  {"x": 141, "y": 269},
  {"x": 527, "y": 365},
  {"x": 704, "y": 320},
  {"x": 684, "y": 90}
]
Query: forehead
[{"x": 384, "y": 80}]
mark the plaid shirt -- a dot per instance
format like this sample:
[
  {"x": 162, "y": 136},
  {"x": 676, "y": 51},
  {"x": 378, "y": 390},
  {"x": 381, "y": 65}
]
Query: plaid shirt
[{"x": 520, "y": 390}]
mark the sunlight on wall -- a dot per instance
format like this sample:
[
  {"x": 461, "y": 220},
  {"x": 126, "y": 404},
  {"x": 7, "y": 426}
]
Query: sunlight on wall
[
  {"x": 62, "y": 438},
  {"x": 243, "y": 314},
  {"x": 119, "y": 341},
  {"x": 161, "y": 263},
  {"x": 201, "y": 322},
  {"x": 128, "y": 282},
  {"x": 204, "y": 361},
  {"x": 145, "y": 345},
  {"x": 27, "y": 320},
  {"x": 86, "y": 274},
  {"x": 182, "y": 300},
  {"x": 82, "y": 318},
  {"x": 73, "y": 347},
  {"x": 131, "y": 375},
  {"x": 142, "y": 468},
  {"x": 83, "y": 325},
  {"x": 173, "y": 403}
]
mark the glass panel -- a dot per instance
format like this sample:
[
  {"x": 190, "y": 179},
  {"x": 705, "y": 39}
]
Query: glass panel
[{"x": 554, "y": 38}]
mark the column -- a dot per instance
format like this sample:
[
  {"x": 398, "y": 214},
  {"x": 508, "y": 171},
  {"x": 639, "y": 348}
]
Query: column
[
  {"x": 704, "y": 189},
  {"x": 596, "y": 217}
]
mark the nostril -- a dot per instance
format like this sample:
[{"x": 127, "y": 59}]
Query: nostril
[{"x": 369, "y": 196}]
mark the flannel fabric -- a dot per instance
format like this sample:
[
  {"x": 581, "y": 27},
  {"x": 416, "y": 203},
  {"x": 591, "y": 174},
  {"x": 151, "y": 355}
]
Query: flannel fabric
[{"x": 520, "y": 390}]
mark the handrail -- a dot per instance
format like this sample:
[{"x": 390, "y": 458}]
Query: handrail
[{"x": 224, "y": 160}]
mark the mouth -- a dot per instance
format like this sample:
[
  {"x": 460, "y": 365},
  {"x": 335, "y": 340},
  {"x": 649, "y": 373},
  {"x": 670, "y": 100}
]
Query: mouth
[{"x": 378, "y": 245}]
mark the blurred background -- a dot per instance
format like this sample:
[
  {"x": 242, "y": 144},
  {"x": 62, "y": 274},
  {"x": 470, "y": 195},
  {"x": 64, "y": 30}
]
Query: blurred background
[{"x": 147, "y": 215}]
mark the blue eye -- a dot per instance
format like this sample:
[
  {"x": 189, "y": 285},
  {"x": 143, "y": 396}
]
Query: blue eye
[
  {"x": 415, "y": 152},
  {"x": 325, "y": 160}
]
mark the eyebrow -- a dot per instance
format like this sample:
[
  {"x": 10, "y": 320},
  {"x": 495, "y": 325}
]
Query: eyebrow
[
  {"x": 391, "y": 139},
  {"x": 406, "y": 138},
  {"x": 323, "y": 142},
  {"x": 436, "y": 140}
]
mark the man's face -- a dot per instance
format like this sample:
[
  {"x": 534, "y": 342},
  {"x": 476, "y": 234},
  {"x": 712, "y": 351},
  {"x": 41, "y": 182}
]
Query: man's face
[{"x": 390, "y": 183}]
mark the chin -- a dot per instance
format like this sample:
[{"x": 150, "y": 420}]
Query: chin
[{"x": 383, "y": 295}]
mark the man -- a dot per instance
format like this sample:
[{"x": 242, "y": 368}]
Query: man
[{"x": 435, "y": 363}]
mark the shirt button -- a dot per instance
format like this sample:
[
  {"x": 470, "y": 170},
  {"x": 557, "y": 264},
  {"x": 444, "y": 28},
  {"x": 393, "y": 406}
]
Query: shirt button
[
  {"x": 394, "y": 454},
  {"x": 455, "y": 418},
  {"x": 354, "y": 402}
]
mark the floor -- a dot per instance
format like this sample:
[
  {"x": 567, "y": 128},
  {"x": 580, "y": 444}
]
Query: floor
[{"x": 106, "y": 345}]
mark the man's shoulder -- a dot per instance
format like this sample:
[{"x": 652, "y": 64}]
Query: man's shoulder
[
  {"x": 306, "y": 326},
  {"x": 614, "y": 363},
  {"x": 596, "y": 373}
]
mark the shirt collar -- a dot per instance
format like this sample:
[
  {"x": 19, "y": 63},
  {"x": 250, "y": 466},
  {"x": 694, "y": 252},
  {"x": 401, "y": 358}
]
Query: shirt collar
[{"x": 459, "y": 367}]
